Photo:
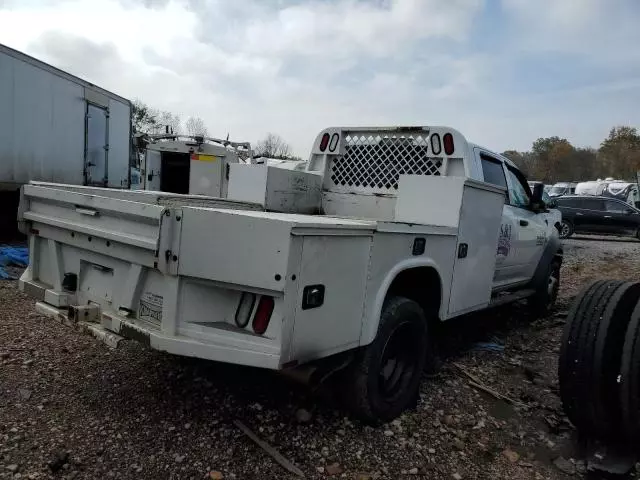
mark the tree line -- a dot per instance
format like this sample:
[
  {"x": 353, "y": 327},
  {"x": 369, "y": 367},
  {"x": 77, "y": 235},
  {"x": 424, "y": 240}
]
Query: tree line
[
  {"x": 550, "y": 160},
  {"x": 554, "y": 159},
  {"x": 146, "y": 119}
]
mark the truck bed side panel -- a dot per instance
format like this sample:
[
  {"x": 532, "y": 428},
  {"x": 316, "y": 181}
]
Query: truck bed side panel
[
  {"x": 479, "y": 229},
  {"x": 222, "y": 246},
  {"x": 340, "y": 266},
  {"x": 391, "y": 254}
]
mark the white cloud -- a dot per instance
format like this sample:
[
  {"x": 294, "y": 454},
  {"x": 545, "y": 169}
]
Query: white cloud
[{"x": 296, "y": 66}]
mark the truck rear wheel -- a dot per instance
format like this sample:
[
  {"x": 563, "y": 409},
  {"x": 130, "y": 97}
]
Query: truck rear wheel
[{"x": 384, "y": 378}]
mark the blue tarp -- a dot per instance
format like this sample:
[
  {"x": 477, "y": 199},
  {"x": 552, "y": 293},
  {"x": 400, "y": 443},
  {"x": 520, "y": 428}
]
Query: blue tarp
[{"x": 16, "y": 256}]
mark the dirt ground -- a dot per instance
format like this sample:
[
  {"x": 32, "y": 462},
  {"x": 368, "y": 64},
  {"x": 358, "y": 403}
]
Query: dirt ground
[{"x": 70, "y": 407}]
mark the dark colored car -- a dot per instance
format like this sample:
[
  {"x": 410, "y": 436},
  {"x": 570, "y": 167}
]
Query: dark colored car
[{"x": 597, "y": 215}]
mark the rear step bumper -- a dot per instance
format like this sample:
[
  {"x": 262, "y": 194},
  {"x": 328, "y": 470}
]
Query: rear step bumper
[{"x": 112, "y": 329}]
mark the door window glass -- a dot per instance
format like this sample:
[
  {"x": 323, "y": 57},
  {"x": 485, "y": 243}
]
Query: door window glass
[
  {"x": 518, "y": 193},
  {"x": 493, "y": 171},
  {"x": 615, "y": 207},
  {"x": 593, "y": 204}
]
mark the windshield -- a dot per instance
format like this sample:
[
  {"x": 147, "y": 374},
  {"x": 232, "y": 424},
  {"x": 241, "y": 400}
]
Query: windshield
[{"x": 557, "y": 190}]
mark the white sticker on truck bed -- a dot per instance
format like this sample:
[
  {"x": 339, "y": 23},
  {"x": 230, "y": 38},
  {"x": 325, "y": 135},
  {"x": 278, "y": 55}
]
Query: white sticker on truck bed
[{"x": 150, "y": 307}]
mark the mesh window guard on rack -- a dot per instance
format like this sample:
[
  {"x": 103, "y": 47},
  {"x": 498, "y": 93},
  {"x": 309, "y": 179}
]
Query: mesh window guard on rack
[{"x": 374, "y": 161}]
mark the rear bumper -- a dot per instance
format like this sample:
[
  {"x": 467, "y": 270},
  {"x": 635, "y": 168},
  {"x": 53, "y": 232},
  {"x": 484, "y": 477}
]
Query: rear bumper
[{"x": 111, "y": 329}]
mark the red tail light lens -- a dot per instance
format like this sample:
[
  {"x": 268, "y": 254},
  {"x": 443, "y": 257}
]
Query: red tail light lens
[
  {"x": 263, "y": 314},
  {"x": 447, "y": 140},
  {"x": 324, "y": 142}
]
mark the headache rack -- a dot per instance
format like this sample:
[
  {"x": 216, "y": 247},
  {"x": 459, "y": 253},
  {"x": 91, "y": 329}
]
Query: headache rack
[{"x": 373, "y": 161}]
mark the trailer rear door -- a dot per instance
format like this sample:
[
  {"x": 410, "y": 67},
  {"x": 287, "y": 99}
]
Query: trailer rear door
[{"x": 97, "y": 147}]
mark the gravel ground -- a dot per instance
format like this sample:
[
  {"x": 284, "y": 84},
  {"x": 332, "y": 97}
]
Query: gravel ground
[{"x": 70, "y": 407}]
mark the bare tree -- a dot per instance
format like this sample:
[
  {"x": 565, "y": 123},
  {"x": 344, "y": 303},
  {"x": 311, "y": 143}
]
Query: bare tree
[
  {"x": 273, "y": 146},
  {"x": 167, "y": 119},
  {"x": 196, "y": 126}
]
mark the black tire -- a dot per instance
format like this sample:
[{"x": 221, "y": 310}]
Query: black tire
[
  {"x": 581, "y": 318},
  {"x": 566, "y": 229},
  {"x": 543, "y": 301},
  {"x": 606, "y": 414},
  {"x": 630, "y": 379},
  {"x": 384, "y": 378}
]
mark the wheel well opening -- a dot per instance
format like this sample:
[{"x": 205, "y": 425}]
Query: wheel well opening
[{"x": 422, "y": 285}]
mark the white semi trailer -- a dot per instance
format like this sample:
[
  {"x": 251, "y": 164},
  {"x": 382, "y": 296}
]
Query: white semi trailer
[
  {"x": 56, "y": 127},
  {"x": 347, "y": 264}
]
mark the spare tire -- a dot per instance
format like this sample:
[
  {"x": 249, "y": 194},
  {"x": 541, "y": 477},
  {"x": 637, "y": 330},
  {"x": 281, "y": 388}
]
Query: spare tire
[
  {"x": 577, "y": 353},
  {"x": 629, "y": 379},
  {"x": 606, "y": 417}
]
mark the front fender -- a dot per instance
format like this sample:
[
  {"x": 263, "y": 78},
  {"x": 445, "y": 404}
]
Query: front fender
[
  {"x": 552, "y": 251},
  {"x": 371, "y": 321}
]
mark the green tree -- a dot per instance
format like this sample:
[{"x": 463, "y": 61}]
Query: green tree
[
  {"x": 523, "y": 160},
  {"x": 550, "y": 157},
  {"x": 144, "y": 119},
  {"x": 620, "y": 153}
]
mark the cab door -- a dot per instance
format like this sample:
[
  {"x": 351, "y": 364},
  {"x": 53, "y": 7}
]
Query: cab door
[
  {"x": 522, "y": 232},
  {"x": 507, "y": 269},
  {"x": 532, "y": 227}
]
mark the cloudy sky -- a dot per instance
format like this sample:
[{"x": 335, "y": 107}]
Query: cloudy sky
[{"x": 504, "y": 72}]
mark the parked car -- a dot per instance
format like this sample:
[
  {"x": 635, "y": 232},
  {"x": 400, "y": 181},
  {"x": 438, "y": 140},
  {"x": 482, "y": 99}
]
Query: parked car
[
  {"x": 597, "y": 215},
  {"x": 562, "y": 188}
]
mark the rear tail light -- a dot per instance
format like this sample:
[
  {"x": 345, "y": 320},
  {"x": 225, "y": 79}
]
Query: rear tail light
[
  {"x": 447, "y": 140},
  {"x": 436, "y": 146},
  {"x": 263, "y": 314},
  {"x": 245, "y": 307},
  {"x": 324, "y": 142}
]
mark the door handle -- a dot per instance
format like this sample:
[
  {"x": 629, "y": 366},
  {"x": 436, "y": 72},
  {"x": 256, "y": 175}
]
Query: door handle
[
  {"x": 607, "y": 216},
  {"x": 579, "y": 214},
  {"x": 524, "y": 223}
]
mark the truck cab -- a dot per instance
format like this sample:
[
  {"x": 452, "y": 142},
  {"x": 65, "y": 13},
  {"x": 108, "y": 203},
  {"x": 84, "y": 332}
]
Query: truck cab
[{"x": 525, "y": 229}]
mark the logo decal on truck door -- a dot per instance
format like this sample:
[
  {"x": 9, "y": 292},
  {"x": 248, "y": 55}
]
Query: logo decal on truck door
[
  {"x": 504, "y": 240},
  {"x": 150, "y": 307}
]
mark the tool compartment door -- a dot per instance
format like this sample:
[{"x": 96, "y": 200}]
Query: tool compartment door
[
  {"x": 338, "y": 267},
  {"x": 478, "y": 231}
]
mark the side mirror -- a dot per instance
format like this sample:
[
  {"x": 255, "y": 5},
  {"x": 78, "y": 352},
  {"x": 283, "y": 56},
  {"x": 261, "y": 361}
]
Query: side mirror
[{"x": 536, "y": 198}]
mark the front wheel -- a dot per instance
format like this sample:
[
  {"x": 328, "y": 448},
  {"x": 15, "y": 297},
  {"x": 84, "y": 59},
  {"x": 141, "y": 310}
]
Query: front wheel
[
  {"x": 384, "y": 378},
  {"x": 543, "y": 301},
  {"x": 566, "y": 229}
]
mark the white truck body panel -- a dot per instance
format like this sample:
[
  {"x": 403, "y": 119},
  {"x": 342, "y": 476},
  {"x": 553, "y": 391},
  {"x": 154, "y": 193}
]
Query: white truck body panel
[
  {"x": 43, "y": 131},
  {"x": 175, "y": 275},
  {"x": 275, "y": 188},
  {"x": 194, "y": 276}
]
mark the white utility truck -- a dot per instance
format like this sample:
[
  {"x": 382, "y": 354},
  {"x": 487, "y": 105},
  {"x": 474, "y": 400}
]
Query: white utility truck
[
  {"x": 190, "y": 165},
  {"x": 402, "y": 227}
]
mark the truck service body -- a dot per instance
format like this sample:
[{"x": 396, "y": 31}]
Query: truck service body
[{"x": 387, "y": 231}]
